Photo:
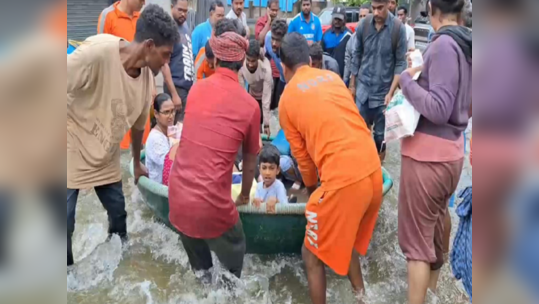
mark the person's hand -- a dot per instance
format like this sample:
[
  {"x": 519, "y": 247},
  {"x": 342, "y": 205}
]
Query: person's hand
[
  {"x": 409, "y": 59},
  {"x": 413, "y": 71},
  {"x": 257, "y": 202},
  {"x": 267, "y": 130},
  {"x": 388, "y": 98},
  {"x": 270, "y": 205},
  {"x": 242, "y": 200},
  {"x": 140, "y": 171},
  {"x": 269, "y": 17},
  {"x": 177, "y": 101},
  {"x": 352, "y": 89},
  {"x": 311, "y": 189}
]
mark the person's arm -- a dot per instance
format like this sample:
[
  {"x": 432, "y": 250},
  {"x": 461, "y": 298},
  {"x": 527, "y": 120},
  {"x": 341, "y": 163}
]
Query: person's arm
[
  {"x": 356, "y": 58},
  {"x": 241, "y": 79},
  {"x": 137, "y": 133},
  {"x": 435, "y": 104},
  {"x": 348, "y": 59},
  {"x": 267, "y": 93},
  {"x": 251, "y": 148},
  {"x": 401, "y": 63},
  {"x": 167, "y": 76},
  {"x": 411, "y": 41},
  {"x": 282, "y": 196},
  {"x": 262, "y": 30},
  {"x": 298, "y": 146}
]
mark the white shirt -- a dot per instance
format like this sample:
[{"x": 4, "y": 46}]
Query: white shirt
[
  {"x": 231, "y": 15},
  {"x": 157, "y": 148},
  {"x": 410, "y": 37}
]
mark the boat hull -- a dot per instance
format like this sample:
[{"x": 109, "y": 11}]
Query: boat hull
[{"x": 283, "y": 232}]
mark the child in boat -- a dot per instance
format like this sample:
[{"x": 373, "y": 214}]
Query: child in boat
[{"x": 270, "y": 190}]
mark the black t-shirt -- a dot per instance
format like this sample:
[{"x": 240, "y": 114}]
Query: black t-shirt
[{"x": 181, "y": 60}]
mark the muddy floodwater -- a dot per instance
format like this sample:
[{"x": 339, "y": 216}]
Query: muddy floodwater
[{"x": 152, "y": 268}]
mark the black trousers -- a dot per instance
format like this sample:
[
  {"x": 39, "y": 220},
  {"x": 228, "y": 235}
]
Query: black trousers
[
  {"x": 230, "y": 249},
  {"x": 278, "y": 88},
  {"x": 112, "y": 198}
]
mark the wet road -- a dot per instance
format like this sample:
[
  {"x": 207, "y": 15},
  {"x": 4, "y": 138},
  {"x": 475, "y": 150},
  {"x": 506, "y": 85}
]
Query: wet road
[{"x": 153, "y": 268}]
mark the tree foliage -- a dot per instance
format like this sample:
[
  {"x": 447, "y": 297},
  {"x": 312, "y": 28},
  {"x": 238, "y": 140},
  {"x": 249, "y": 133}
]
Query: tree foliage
[{"x": 356, "y": 3}]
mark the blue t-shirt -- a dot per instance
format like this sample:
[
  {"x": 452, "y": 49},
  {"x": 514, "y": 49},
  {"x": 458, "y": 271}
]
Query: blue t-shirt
[
  {"x": 276, "y": 190},
  {"x": 201, "y": 35},
  {"x": 271, "y": 55},
  {"x": 332, "y": 40},
  {"x": 312, "y": 31}
]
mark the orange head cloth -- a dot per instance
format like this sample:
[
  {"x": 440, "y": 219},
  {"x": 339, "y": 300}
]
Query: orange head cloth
[{"x": 229, "y": 47}]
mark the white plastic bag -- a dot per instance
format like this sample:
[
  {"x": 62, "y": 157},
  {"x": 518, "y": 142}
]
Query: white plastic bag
[{"x": 401, "y": 118}]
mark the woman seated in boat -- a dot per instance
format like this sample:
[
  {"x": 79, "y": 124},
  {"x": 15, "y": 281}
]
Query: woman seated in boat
[
  {"x": 270, "y": 190},
  {"x": 158, "y": 143}
]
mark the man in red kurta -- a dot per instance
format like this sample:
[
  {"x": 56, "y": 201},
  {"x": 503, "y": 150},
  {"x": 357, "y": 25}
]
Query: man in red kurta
[{"x": 219, "y": 117}]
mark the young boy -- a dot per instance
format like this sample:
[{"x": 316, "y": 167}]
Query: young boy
[{"x": 270, "y": 190}]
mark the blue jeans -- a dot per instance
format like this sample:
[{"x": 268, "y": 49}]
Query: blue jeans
[
  {"x": 113, "y": 200},
  {"x": 377, "y": 118}
]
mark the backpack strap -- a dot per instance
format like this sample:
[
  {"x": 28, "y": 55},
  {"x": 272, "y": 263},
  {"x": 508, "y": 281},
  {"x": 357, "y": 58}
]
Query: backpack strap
[{"x": 395, "y": 34}]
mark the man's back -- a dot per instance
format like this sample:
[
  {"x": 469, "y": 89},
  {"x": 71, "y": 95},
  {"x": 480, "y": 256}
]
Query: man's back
[
  {"x": 320, "y": 117},
  {"x": 220, "y": 115}
]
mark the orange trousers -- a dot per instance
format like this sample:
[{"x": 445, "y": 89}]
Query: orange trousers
[{"x": 342, "y": 220}]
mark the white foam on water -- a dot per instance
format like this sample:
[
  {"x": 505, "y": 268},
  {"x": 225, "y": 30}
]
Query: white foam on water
[
  {"x": 155, "y": 268},
  {"x": 96, "y": 268}
]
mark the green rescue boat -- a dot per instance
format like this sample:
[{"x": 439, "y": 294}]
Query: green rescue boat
[{"x": 282, "y": 232}]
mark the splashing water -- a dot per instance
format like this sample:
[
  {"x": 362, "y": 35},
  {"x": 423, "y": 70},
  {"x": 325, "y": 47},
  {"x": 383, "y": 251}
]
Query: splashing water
[{"x": 153, "y": 268}]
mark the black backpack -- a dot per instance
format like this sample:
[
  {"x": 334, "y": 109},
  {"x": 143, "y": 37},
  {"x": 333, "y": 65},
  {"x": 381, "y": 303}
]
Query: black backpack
[{"x": 394, "y": 34}]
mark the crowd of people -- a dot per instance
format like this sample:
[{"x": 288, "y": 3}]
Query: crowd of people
[{"x": 330, "y": 89}]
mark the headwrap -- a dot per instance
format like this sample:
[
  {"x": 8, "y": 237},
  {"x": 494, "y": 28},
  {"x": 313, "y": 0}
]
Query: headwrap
[{"x": 229, "y": 46}]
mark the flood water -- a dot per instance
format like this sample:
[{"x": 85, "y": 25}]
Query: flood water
[{"x": 152, "y": 268}]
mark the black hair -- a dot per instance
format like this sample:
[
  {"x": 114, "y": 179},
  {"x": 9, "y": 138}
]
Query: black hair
[
  {"x": 279, "y": 27},
  {"x": 254, "y": 48},
  {"x": 159, "y": 100},
  {"x": 223, "y": 26},
  {"x": 269, "y": 155},
  {"x": 448, "y": 7},
  {"x": 209, "y": 51},
  {"x": 310, "y": 1},
  {"x": 157, "y": 104},
  {"x": 174, "y": 2},
  {"x": 367, "y": 6},
  {"x": 155, "y": 24},
  {"x": 467, "y": 15},
  {"x": 316, "y": 52},
  {"x": 216, "y": 4},
  {"x": 295, "y": 50},
  {"x": 403, "y": 8},
  {"x": 380, "y": 1},
  {"x": 270, "y": 2},
  {"x": 240, "y": 28}
]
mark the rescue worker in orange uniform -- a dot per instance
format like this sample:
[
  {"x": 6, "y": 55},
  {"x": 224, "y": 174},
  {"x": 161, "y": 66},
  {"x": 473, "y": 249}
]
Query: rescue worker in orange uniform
[{"x": 331, "y": 143}]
